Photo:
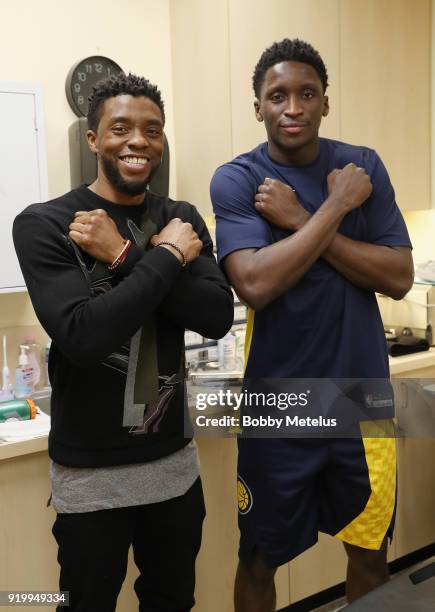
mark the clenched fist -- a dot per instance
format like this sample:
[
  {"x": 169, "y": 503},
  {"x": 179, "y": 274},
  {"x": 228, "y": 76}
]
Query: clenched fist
[
  {"x": 350, "y": 186},
  {"x": 183, "y": 236},
  {"x": 96, "y": 233},
  {"x": 277, "y": 202}
]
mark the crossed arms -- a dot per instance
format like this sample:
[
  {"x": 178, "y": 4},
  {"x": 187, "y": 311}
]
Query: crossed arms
[
  {"x": 261, "y": 275},
  {"x": 87, "y": 329}
]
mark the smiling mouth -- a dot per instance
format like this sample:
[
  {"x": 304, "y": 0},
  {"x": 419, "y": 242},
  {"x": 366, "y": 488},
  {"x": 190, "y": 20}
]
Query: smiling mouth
[{"x": 134, "y": 160}]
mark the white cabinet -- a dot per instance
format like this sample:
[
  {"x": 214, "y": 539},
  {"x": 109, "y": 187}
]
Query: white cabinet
[{"x": 23, "y": 168}]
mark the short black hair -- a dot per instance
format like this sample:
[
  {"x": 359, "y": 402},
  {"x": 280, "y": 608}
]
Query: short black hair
[
  {"x": 118, "y": 85},
  {"x": 287, "y": 50}
]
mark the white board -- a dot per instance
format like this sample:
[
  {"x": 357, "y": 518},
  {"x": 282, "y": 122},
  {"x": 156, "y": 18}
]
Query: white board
[{"x": 23, "y": 168}]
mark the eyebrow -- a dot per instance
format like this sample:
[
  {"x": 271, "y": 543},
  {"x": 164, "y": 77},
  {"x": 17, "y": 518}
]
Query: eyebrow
[
  {"x": 122, "y": 119},
  {"x": 283, "y": 82}
]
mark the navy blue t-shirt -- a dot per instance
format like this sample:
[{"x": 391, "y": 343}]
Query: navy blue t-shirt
[{"x": 324, "y": 326}]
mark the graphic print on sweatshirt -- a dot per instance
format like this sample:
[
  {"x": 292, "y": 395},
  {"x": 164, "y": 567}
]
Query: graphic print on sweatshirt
[
  {"x": 155, "y": 411},
  {"x": 100, "y": 281}
]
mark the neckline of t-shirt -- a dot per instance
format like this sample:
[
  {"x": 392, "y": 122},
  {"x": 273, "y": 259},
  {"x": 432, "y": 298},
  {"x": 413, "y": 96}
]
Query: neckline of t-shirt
[
  {"x": 315, "y": 162},
  {"x": 114, "y": 206}
]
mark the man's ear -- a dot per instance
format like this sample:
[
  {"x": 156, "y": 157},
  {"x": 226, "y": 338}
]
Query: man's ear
[
  {"x": 325, "y": 106},
  {"x": 258, "y": 114},
  {"x": 92, "y": 141}
]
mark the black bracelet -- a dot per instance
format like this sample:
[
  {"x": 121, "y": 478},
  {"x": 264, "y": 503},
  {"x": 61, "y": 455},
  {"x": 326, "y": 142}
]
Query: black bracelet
[{"x": 177, "y": 248}]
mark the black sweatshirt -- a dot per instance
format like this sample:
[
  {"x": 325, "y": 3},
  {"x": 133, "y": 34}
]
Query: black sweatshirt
[{"x": 87, "y": 394}]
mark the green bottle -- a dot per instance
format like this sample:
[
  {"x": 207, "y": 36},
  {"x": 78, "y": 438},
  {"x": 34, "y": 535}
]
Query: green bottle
[{"x": 20, "y": 410}]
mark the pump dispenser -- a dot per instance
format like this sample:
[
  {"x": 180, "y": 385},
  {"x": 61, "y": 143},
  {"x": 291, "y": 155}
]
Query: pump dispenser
[
  {"x": 34, "y": 356},
  {"x": 23, "y": 375}
]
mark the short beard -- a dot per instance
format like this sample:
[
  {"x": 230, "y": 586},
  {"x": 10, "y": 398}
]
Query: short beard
[{"x": 129, "y": 188}]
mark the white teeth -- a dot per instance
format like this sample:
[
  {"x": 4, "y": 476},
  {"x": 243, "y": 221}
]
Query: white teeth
[{"x": 135, "y": 160}]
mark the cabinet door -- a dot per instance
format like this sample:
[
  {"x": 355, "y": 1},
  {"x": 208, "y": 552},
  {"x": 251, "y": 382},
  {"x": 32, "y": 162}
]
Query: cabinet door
[
  {"x": 416, "y": 494},
  {"x": 385, "y": 89},
  {"x": 415, "y": 520},
  {"x": 23, "y": 173}
]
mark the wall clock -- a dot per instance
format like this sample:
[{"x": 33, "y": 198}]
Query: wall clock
[{"x": 83, "y": 76}]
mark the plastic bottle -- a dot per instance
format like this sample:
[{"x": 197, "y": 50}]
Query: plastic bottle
[
  {"x": 23, "y": 375},
  {"x": 17, "y": 410},
  {"x": 34, "y": 356},
  {"x": 227, "y": 352}
]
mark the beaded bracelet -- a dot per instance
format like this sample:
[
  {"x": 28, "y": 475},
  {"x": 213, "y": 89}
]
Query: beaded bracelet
[
  {"x": 177, "y": 248},
  {"x": 121, "y": 257}
]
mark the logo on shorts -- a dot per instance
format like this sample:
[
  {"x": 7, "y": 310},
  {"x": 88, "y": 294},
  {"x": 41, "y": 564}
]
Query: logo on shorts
[{"x": 244, "y": 496}]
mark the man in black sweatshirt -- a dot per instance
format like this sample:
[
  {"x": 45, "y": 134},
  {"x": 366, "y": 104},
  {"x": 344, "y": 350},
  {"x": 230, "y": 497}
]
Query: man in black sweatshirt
[{"x": 116, "y": 274}]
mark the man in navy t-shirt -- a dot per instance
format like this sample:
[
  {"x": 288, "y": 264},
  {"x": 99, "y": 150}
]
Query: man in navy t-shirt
[{"x": 307, "y": 230}]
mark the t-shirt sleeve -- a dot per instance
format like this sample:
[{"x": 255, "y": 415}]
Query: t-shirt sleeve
[
  {"x": 385, "y": 224},
  {"x": 238, "y": 225}
]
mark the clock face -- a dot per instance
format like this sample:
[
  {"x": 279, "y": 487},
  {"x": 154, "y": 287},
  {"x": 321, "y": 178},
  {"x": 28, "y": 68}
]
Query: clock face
[{"x": 83, "y": 76}]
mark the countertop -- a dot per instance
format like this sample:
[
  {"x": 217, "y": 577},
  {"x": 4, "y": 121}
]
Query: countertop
[
  {"x": 416, "y": 361},
  {"x": 8, "y": 450},
  {"x": 406, "y": 363}
]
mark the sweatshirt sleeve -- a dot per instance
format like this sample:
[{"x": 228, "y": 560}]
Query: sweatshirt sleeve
[
  {"x": 201, "y": 299},
  {"x": 87, "y": 328}
]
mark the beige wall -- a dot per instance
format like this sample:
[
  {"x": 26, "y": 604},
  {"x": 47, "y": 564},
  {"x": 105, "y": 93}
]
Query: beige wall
[
  {"x": 385, "y": 83},
  {"x": 214, "y": 48},
  {"x": 378, "y": 59},
  {"x": 42, "y": 39},
  {"x": 421, "y": 227},
  {"x": 202, "y": 96},
  {"x": 251, "y": 30}
]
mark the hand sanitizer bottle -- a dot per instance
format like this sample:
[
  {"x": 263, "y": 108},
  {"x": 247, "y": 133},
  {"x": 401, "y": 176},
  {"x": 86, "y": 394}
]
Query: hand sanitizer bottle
[
  {"x": 227, "y": 352},
  {"x": 23, "y": 375},
  {"x": 34, "y": 355}
]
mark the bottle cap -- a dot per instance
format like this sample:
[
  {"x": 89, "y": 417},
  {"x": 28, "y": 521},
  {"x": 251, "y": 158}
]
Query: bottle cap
[{"x": 33, "y": 410}]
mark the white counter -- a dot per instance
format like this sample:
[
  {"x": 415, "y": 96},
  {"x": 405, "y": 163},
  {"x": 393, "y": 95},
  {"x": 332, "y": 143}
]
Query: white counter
[
  {"x": 8, "y": 450},
  {"x": 409, "y": 363}
]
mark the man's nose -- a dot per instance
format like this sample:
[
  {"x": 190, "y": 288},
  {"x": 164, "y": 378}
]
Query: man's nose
[
  {"x": 294, "y": 106},
  {"x": 138, "y": 139}
]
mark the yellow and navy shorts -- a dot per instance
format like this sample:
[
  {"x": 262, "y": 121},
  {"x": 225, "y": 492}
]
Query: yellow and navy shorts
[{"x": 290, "y": 489}]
